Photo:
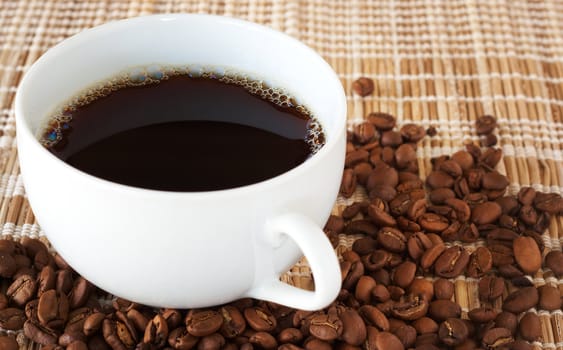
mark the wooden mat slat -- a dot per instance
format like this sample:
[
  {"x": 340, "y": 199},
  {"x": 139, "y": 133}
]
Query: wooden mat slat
[{"x": 434, "y": 62}]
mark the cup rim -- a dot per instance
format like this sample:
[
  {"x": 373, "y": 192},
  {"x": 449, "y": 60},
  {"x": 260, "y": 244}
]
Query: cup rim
[{"x": 23, "y": 127}]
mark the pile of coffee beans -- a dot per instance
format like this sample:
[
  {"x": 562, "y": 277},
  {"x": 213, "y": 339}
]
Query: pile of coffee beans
[{"x": 398, "y": 280}]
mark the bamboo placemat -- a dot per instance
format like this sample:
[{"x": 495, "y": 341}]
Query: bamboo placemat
[{"x": 440, "y": 63}]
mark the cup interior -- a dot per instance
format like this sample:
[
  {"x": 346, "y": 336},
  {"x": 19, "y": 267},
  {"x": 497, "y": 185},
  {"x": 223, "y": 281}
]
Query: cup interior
[{"x": 93, "y": 56}]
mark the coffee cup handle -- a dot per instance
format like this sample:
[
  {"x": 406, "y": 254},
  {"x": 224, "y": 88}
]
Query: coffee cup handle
[{"x": 321, "y": 258}]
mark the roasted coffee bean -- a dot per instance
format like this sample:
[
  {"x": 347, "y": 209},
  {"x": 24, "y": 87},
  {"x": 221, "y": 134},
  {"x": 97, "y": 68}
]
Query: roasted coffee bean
[
  {"x": 417, "y": 244},
  {"x": 400, "y": 204},
  {"x": 433, "y": 223},
  {"x": 551, "y": 203},
  {"x": 480, "y": 262},
  {"x": 356, "y": 271},
  {"x": 507, "y": 320},
  {"x": 443, "y": 289},
  {"x": 384, "y": 341},
  {"x": 527, "y": 254},
  {"x": 425, "y": 325},
  {"x": 63, "y": 282},
  {"x": 21, "y": 290},
  {"x": 203, "y": 322},
  {"x": 140, "y": 320},
  {"x": 8, "y": 343},
  {"x": 404, "y": 274},
  {"x": 521, "y": 300},
  {"x": 315, "y": 344},
  {"x": 453, "y": 332},
  {"x": 392, "y": 239},
  {"x": 384, "y": 176},
  {"x": 390, "y": 139},
  {"x": 12, "y": 319},
  {"x": 549, "y": 298},
  {"x": 450, "y": 167},
  {"x": 348, "y": 183},
  {"x": 494, "y": 181},
  {"x": 502, "y": 255},
  {"x": 93, "y": 323},
  {"x": 489, "y": 140},
  {"x": 491, "y": 157},
  {"x": 374, "y": 317},
  {"x": 46, "y": 280},
  {"x": 353, "y": 327},
  {"x": 264, "y": 340},
  {"x": 440, "y": 195},
  {"x": 380, "y": 217},
  {"x": 530, "y": 327},
  {"x": 380, "y": 293},
  {"x": 361, "y": 226},
  {"x": 526, "y": 195},
  {"x": 125, "y": 329},
  {"x": 76, "y": 319},
  {"x": 79, "y": 293},
  {"x": 32, "y": 246},
  {"x": 486, "y": 213},
  {"x": 39, "y": 334},
  {"x": 383, "y": 192},
  {"x": 411, "y": 309},
  {"x": 430, "y": 255},
  {"x": 234, "y": 323},
  {"x": 452, "y": 262},
  {"x": 396, "y": 292},
  {"x": 290, "y": 335},
  {"x": 8, "y": 265},
  {"x": 363, "y": 86},
  {"x": 490, "y": 288},
  {"x": 440, "y": 310},
  {"x": 406, "y": 334},
  {"x": 364, "y": 132},
  {"x": 260, "y": 319},
  {"x": 362, "y": 171},
  {"x": 156, "y": 332},
  {"x": 42, "y": 259},
  {"x": 180, "y": 339},
  {"x": 216, "y": 342},
  {"x": 404, "y": 154},
  {"x": 554, "y": 261},
  {"x": 407, "y": 225},
  {"x": 381, "y": 121},
  {"x": 482, "y": 314},
  {"x": 461, "y": 208},
  {"x": 326, "y": 327},
  {"x": 412, "y": 132},
  {"x": 52, "y": 309},
  {"x": 485, "y": 124},
  {"x": 416, "y": 209},
  {"x": 364, "y": 245},
  {"x": 67, "y": 338},
  {"x": 497, "y": 338},
  {"x": 439, "y": 179},
  {"x": 363, "y": 289},
  {"x": 528, "y": 215},
  {"x": 356, "y": 157}
]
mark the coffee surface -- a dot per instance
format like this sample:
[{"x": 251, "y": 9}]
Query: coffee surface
[{"x": 184, "y": 134}]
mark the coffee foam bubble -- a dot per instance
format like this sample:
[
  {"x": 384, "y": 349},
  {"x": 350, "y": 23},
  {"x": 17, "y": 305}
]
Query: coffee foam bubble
[{"x": 53, "y": 132}]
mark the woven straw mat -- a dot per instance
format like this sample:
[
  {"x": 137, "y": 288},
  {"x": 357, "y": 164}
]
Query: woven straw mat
[{"x": 434, "y": 62}]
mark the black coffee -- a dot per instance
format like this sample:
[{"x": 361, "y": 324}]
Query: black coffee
[{"x": 184, "y": 133}]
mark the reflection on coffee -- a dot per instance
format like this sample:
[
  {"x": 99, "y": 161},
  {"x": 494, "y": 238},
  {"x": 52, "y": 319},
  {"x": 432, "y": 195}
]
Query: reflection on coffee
[{"x": 183, "y": 130}]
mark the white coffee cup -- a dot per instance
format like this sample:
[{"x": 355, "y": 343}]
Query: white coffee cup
[{"x": 187, "y": 249}]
